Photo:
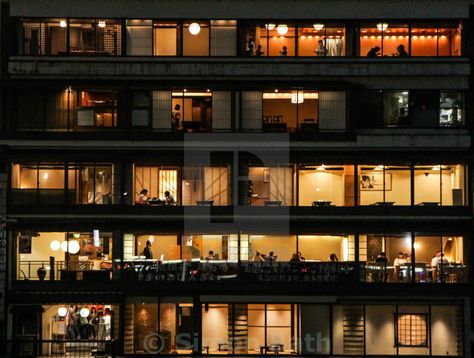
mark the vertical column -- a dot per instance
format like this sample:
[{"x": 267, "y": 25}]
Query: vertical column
[
  {"x": 197, "y": 325},
  {"x": 3, "y": 254},
  {"x": 117, "y": 252}
]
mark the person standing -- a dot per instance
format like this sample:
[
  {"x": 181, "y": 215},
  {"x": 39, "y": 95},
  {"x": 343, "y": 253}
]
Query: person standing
[{"x": 147, "y": 251}]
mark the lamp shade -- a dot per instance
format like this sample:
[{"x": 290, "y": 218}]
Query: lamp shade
[
  {"x": 270, "y": 26},
  {"x": 62, "y": 311},
  {"x": 74, "y": 247},
  {"x": 382, "y": 26},
  {"x": 194, "y": 28},
  {"x": 64, "y": 246},
  {"x": 62, "y": 23},
  {"x": 297, "y": 97},
  {"x": 318, "y": 27},
  {"x": 84, "y": 312},
  {"x": 55, "y": 245},
  {"x": 282, "y": 29}
]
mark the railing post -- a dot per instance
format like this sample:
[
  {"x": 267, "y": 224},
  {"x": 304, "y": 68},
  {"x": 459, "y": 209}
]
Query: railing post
[{"x": 51, "y": 268}]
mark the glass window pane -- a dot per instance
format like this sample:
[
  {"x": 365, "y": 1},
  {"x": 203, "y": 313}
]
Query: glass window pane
[
  {"x": 139, "y": 37},
  {"x": 384, "y": 185},
  {"x": 280, "y": 41},
  {"x": 166, "y": 39},
  {"x": 215, "y": 328},
  {"x": 451, "y": 109},
  {"x": 428, "y": 185},
  {"x": 321, "y": 40},
  {"x": 424, "y": 39},
  {"x": 280, "y": 111},
  {"x": 371, "y": 40},
  {"x": 449, "y": 40},
  {"x": 330, "y": 248},
  {"x": 196, "y": 39},
  {"x": 395, "y": 109},
  {"x": 326, "y": 186},
  {"x": 395, "y": 40},
  {"x": 282, "y": 246}
]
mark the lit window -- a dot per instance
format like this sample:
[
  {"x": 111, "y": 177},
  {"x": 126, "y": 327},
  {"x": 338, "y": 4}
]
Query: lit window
[{"x": 412, "y": 330}]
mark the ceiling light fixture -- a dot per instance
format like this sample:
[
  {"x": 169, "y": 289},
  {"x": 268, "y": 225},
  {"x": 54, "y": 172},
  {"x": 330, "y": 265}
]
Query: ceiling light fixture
[
  {"x": 382, "y": 26},
  {"x": 282, "y": 29},
  {"x": 318, "y": 27},
  {"x": 194, "y": 28}
]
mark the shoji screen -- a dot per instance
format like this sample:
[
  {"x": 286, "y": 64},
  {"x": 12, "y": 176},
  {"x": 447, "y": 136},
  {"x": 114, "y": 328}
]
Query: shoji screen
[
  {"x": 332, "y": 111},
  {"x": 223, "y": 38},
  {"x": 162, "y": 110},
  {"x": 252, "y": 110},
  {"x": 281, "y": 185},
  {"x": 221, "y": 110},
  {"x": 139, "y": 37},
  {"x": 216, "y": 185}
]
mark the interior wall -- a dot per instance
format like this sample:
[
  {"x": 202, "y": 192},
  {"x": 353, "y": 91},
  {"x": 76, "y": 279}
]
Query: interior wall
[
  {"x": 168, "y": 320},
  {"x": 320, "y": 247},
  {"x": 40, "y": 247},
  {"x": 399, "y": 193},
  {"x": 256, "y": 327},
  {"x": 196, "y": 45},
  {"x": 330, "y": 185},
  {"x": 259, "y": 187},
  {"x": 338, "y": 329},
  {"x": 214, "y": 326},
  {"x": 427, "y": 187},
  {"x": 166, "y": 245},
  {"x": 211, "y": 242},
  {"x": 165, "y": 41},
  {"x": 443, "y": 330},
  {"x": 282, "y": 246},
  {"x": 380, "y": 330}
]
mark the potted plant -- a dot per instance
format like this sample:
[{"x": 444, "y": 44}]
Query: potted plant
[{"x": 41, "y": 273}]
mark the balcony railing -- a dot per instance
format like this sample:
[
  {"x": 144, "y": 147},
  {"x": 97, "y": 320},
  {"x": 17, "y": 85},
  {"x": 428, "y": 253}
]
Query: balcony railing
[
  {"x": 30, "y": 346},
  {"x": 194, "y": 271}
]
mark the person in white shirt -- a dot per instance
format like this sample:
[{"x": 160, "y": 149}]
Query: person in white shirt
[
  {"x": 435, "y": 261},
  {"x": 399, "y": 261}
]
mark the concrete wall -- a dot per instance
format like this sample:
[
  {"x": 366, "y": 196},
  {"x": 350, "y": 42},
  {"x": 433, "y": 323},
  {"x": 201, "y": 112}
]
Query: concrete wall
[{"x": 230, "y": 9}]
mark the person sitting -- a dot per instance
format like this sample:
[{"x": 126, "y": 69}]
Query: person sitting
[
  {"x": 401, "y": 52},
  {"x": 381, "y": 258},
  {"x": 143, "y": 198},
  {"x": 295, "y": 258},
  {"x": 210, "y": 255},
  {"x": 259, "y": 52},
  {"x": 169, "y": 200},
  {"x": 300, "y": 256},
  {"x": 284, "y": 51},
  {"x": 399, "y": 261},
  {"x": 271, "y": 257},
  {"x": 258, "y": 257},
  {"x": 374, "y": 52}
]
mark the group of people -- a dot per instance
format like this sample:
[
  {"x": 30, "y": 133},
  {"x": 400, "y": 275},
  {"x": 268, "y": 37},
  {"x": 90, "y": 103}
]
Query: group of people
[
  {"x": 375, "y": 51},
  {"x": 259, "y": 257},
  {"x": 144, "y": 200},
  {"x": 79, "y": 327}
]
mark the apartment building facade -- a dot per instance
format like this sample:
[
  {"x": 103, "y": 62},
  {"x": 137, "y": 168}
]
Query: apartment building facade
[{"x": 236, "y": 178}]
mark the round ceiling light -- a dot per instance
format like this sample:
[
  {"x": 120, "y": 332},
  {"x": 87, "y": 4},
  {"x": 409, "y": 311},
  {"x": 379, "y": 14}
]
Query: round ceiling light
[
  {"x": 282, "y": 29},
  {"x": 194, "y": 28},
  {"x": 62, "y": 311},
  {"x": 55, "y": 245}
]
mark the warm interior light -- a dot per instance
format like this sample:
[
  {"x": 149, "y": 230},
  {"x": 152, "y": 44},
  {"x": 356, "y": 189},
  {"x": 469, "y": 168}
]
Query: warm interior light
[
  {"x": 321, "y": 167},
  {"x": 382, "y": 26},
  {"x": 282, "y": 29},
  {"x": 318, "y": 27},
  {"x": 287, "y": 95},
  {"x": 297, "y": 97},
  {"x": 45, "y": 176},
  {"x": 76, "y": 235},
  {"x": 194, "y": 28},
  {"x": 62, "y": 311},
  {"x": 55, "y": 245},
  {"x": 270, "y": 26},
  {"x": 74, "y": 247},
  {"x": 64, "y": 246},
  {"x": 84, "y": 312},
  {"x": 101, "y": 23},
  {"x": 62, "y": 23}
]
